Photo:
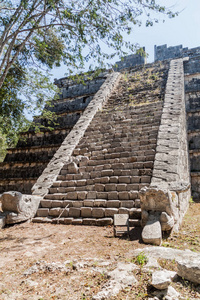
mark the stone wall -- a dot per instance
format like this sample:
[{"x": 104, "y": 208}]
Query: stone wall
[
  {"x": 130, "y": 61},
  {"x": 163, "y": 52},
  {"x": 192, "y": 97}
]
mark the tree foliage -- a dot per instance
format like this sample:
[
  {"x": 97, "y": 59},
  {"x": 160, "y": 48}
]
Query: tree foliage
[{"x": 37, "y": 34}]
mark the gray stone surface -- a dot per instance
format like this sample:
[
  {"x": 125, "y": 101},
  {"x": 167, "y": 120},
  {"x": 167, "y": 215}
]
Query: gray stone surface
[
  {"x": 189, "y": 269},
  {"x": 151, "y": 233},
  {"x": 19, "y": 207},
  {"x": 121, "y": 277},
  {"x": 162, "y": 279}
]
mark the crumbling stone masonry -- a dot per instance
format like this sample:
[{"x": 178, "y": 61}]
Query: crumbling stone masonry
[{"x": 121, "y": 147}]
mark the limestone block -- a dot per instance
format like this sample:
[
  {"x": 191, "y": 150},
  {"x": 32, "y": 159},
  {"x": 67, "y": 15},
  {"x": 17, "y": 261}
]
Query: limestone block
[
  {"x": 72, "y": 168},
  {"x": 82, "y": 195},
  {"x": 74, "y": 212},
  {"x": 123, "y": 210},
  {"x": 41, "y": 220},
  {"x": 42, "y": 212},
  {"x": 100, "y": 203},
  {"x": 135, "y": 213},
  {"x": 98, "y": 212},
  {"x": 19, "y": 207},
  {"x": 123, "y": 195},
  {"x": 68, "y": 221},
  {"x": 56, "y": 203},
  {"x": 189, "y": 269},
  {"x": 88, "y": 202},
  {"x": 72, "y": 195},
  {"x": 45, "y": 203},
  {"x": 104, "y": 221},
  {"x": 55, "y": 212},
  {"x": 113, "y": 203},
  {"x": 77, "y": 221},
  {"x": 112, "y": 195},
  {"x": 121, "y": 187},
  {"x": 89, "y": 221},
  {"x": 162, "y": 279},
  {"x": 86, "y": 212},
  {"x": 110, "y": 212},
  {"x": 128, "y": 203},
  {"x": 151, "y": 233},
  {"x": 99, "y": 187},
  {"x": 77, "y": 203},
  {"x": 166, "y": 221},
  {"x": 91, "y": 195}
]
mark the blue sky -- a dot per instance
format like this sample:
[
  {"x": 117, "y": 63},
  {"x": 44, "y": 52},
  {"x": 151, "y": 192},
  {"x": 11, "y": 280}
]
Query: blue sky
[{"x": 183, "y": 29}]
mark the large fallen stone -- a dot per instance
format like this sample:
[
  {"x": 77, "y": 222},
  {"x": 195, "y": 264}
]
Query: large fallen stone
[
  {"x": 162, "y": 279},
  {"x": 19, "y": 207},
  {"x": 189, "y": 269},
  {"x": 151, "y": 233}
]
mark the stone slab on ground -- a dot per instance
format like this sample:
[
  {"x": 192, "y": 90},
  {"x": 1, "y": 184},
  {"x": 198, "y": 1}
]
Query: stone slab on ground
[
  {"x": 19, "y": 207},
  {"x": 189, "y": 269},
  {"x": 152, "y": 233},
  {"x": 162, "y": 279}
]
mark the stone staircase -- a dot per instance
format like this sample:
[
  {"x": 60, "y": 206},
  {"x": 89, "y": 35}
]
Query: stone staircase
[
  {"x": 25, "y": 163},
  {"x": 115, "y": 157}
]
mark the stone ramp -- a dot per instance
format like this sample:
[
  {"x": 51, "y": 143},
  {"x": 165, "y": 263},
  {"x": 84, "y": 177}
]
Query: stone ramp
[{"x": 113, "y": 159}]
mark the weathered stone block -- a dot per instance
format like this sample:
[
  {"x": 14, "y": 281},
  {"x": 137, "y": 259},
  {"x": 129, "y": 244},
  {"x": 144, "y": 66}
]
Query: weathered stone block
[
  {"x": 104, "y": 222},
  {"x": 135, "y": 213},
  {"x": 98, "y": 212},
  {"x": 121, "y": 187},
  {"x": 127, "y": 203},
  {"x": 110, "y": 212},
  {"x": 99, "y": 187},
  {"x": 110, "y": 187},
  {"x": 91, "y": 195},
  {"x": 77, "y": 221},
  {"x": 45, "y": 203},
  {"x": 56, "y": 203},
  {"x": 123, "y": 195},
  {"x": 151, "y": 233},
  {"x": 81, "y": 195},
  {"x": 102, "y": 195},
  {"x": 112, "y": 195},
  {"x": 113, "y": 203},
  {"x": 189, "y": 269},
  {"x": 86, "y": 212},
  {"x": 89, "y": 221},
  {"x": 19, "y": 207},
  {"x": 72, "y": 196},
  {"x": 100, "y": 203},
  {"x": 55, "y": 212},
  {"x": 68, "y": 221},
  {"x": 88, "y": 202},
  {"x": 74, "y": 212},
  {"x": 77, "y": 203}
]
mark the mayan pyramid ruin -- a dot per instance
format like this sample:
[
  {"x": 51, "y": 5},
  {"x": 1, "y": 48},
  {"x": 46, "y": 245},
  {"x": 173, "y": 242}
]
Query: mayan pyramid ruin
[{"x": 125, "y": 142}]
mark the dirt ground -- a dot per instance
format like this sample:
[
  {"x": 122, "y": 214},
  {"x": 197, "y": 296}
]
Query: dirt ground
[{"x": 46, "y": 262}]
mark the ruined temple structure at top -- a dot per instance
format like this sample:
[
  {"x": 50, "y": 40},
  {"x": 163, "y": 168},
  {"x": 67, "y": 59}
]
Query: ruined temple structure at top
[{"x": 127, "y": 141}]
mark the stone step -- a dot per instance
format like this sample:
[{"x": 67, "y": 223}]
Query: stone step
[
  {"x": 97, "y": 192},
  {"x": 98, "y": 212}
]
